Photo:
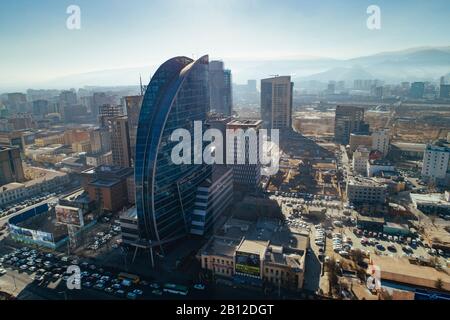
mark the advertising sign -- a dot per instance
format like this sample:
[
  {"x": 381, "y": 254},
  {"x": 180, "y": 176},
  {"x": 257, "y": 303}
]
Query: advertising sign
[
  {"x": 248, "y": 263},
  {"x": 35, "y": 235},
  {"x": 69, "y": 215}
]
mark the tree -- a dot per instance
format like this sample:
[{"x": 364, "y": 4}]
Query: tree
[
  {"x": 333, "y": 278},
  {"x": 357, "y": 256}
]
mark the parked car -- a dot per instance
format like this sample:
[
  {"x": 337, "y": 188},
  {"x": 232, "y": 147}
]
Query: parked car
[
  {"x": 199, "y": 286},
  {"x": 109, "y": 290},
  {"x": 119, "y": 293},
  {"x": 392, "y": 248}
]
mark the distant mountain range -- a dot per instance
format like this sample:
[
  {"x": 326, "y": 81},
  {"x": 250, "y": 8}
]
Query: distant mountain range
[{"x": 423, "y": 63}]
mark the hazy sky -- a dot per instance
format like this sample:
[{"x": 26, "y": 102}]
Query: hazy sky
[{"x": 37, "y": 46}]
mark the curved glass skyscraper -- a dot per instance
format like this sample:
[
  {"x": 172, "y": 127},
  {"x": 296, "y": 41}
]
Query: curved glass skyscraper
[{"x": 178, "y": 95}]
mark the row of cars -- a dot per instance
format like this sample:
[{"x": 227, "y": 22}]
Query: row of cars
[
  {"x": 43, "y": 265},
  {"x": 320, "y": 240},
  {"x": 25, "y": 203},
  {"x": 46, "y": 268},
  {"x": 102, "y": 238},
  {"x": 342, "y": 245}
]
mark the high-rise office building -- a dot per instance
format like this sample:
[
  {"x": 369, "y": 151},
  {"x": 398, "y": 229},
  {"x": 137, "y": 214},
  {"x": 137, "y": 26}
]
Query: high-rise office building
[
  {"x": 120, "y": 142},
  {"x": 99, "y": 99},
  {"x": 100, "y": 140},
  {"x": 276, "y": 102},
  {"x": 40, "y": 109},
  {"x": 11, "y": 169},
  {"x": 251, "y": 86},
  {"x": 177, "y": 95},
  {"x": 67, "y": 99},
  {"x": 417, "y": 90},
  {"x": 348, "y": 120},
  {"x": 132, "y": 105},
  {"x": 444, "y": 92},
  {"x": 16, "y": 102},
  {"x": 109, "y": 111},
  {"x": 219, "y": 122},
  {"x": 220, "y": 88},
  {"x": 247, "y": 176}
]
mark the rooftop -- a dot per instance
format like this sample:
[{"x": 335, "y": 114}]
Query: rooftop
[
  {"x": 104, "y": 182},
  {"x": 222, "y": 246},
  {"x": 11, "y": 186},
  {"x": 402, "y": 271},
  {"x": 254, "y": 247},
  {"x": 430, "y": 198},
  {"x": 244, "y": 123},
  {"x": 362, "y": 181},
  {"x": 406, "y": 146}
]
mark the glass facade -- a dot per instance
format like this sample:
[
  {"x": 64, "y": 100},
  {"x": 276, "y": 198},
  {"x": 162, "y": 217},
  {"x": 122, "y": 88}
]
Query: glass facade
[{"x": 178, "y": 95}]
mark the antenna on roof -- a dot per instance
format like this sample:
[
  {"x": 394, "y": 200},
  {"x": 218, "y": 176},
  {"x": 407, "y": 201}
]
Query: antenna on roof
[
  {"x": 274, "y": 75},
  {"x": 140, "y": 82}
]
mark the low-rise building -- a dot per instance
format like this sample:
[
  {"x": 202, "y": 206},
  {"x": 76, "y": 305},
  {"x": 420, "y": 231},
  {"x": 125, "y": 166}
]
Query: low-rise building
[
  {"x": 253, "y": 254},
  {"x": 129, "y": 227},
  {"x": 401, "y": 271},
  {"x": 107, "y": 185},
  {"x": 376, "y": 167},
  {"x": 366, "y": 190},
  {"x": 432, "y": 203},
  {"x": 11, "y": 169},
  {"x": 42, "y": 180},
  {"x": 407, "y": 151}
]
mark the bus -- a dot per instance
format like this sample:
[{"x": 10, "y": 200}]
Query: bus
[
  {"x": 175, "y": 289},
  {"x": 130, "y": 277}
]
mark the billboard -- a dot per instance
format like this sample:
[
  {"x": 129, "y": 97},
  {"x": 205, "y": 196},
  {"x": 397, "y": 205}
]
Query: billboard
[
  {"x": 248, "y": 263},
  {"x": 69, "y": 215},
  {"x": 35, "y": 235}
]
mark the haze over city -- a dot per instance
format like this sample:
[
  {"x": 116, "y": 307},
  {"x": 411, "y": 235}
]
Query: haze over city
[{"x": 115, "y": 35}]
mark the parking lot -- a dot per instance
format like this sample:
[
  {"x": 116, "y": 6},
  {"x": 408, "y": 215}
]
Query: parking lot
[
  {"x": 382, "y": 244},
  {"x": 46, "y": 270}
]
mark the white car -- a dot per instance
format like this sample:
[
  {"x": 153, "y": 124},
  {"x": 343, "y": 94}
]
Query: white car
[
  {"x": 2, "y": 272},
  {"x": 199, "y": 286},
  {"x": 343, "y": 253}
]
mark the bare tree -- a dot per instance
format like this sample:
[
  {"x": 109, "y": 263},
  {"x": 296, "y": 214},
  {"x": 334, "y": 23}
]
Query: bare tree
[
  {"x": 333, "y": 278},
  {"x": 357, "y": 256}
]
